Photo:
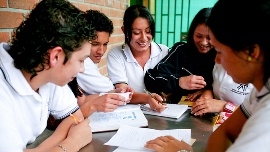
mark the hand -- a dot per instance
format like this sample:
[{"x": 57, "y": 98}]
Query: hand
[
  {"x": 192, "y": 82},
  {"x": 167, "y": 144},
  {"x": 195, "y": 96},
  {"x": 80, "y": 134},
  {"x": 107, "y": 102},
  {"x": 204, "y": 105},
  {"x": 155, "y": 102},
  {"x": 124, "y": 88}
]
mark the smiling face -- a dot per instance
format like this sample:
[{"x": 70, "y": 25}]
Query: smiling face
[
  {"x": 141, "y": 35},
  {"x": 201, "y": 38},
  {"x": 65, "y": 73},
  {"x": 99, "y": 46}
]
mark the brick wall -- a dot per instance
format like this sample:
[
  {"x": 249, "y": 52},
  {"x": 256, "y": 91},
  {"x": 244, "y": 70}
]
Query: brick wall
[{"x": 12, "y": 12}]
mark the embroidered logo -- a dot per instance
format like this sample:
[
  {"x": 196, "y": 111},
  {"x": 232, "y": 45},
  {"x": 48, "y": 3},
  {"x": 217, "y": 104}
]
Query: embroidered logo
[{"x": 241, "y": 89}]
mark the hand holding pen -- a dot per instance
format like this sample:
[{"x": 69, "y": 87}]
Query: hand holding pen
[
  {"x": 191, "y": 82},
  {"x": 155, "y": 103}
]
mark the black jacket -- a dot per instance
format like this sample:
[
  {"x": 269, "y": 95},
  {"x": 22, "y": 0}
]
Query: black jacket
[{"x": 165, "y": 75}]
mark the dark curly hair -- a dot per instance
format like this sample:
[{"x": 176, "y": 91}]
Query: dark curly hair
[
  {"x": 99, "y": 21},
  {"x": 50, "y": 24},
  {"x": 132, "y": 13}
]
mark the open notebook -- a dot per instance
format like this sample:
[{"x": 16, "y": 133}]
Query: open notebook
[
  {"x": 129, "y": 114},
  {"x": 172, "y": 110}
]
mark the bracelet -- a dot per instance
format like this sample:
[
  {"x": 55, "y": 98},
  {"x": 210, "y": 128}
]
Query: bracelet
[
  {"x": 229, "y": 107},
  {"x": 62, "y": 147}
]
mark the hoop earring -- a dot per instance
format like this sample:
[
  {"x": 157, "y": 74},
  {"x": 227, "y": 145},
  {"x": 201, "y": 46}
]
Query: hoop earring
[{"x": 249, "y": 58}]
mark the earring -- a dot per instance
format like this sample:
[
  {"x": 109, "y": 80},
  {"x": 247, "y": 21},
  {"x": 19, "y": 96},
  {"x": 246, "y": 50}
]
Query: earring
[{"x": 249, "y": 58}]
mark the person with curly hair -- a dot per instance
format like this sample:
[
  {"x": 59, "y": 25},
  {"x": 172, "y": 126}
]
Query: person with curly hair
[
  {"x": 89, "y": 84},
  {"x": 46, "y": 52}
]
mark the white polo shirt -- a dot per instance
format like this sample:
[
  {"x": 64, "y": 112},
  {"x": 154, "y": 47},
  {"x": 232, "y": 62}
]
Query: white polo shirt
[
  {"x": 255, "y": 134},
  {"x": 91, "y": 81},
  {"x": 24, "y": 112},
  {"x": 226, "y": 89},
  {"x": 124, "y": 68}
]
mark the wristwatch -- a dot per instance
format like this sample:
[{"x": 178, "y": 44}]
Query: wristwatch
[{"x": 229, "y": 107}]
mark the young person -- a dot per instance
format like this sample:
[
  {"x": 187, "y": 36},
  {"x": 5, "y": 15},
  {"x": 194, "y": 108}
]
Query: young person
[
  {"x": 243, "y": 50},
  {"x": 91, "y": 83},
  {"x": 47, "y": 51},
  {"x": 188, "y": 66},
  {"x": 128, "y": 63}
]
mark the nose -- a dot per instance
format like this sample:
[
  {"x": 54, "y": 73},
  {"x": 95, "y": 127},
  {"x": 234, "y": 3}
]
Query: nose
[
  {"x": 101, "y": 49},
  {"x": 81, "y": 70},
  {"x": 144, "y": 35},
  {"x": 204, "y": 41}
]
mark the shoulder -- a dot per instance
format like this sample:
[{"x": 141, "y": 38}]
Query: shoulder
[{"x": 116, "y": 49}]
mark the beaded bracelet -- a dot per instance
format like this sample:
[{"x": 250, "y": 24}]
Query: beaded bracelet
[{"x": 64, "y": 149}]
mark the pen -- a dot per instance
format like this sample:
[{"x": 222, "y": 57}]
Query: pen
[
  {"x": 187, "y": 70},
  {"x": 74, "y": 118},
  {"x": 153, "y": 96}
]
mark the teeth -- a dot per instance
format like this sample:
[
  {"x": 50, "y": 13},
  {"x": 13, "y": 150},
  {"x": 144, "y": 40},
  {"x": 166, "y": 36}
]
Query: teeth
[{"x": 143, "y": 44}]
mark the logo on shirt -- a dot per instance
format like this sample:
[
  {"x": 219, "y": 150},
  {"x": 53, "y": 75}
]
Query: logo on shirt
[{"x": 241, "y": 89}]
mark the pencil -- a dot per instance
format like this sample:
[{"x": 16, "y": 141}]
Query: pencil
[
  {"x": 187, "y": 70},
  {"x": 153, "y": 96},
  {"x": 74, "y": 118}
]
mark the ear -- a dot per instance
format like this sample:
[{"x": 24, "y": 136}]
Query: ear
[
  {"x": 255, "y": 53},
  {"x": 122, "y": 28},
  {"x": 55, "y": 55}
]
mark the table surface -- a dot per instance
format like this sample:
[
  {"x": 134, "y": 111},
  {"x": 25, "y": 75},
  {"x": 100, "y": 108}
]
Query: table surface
[{"x": 201, "y": 128}]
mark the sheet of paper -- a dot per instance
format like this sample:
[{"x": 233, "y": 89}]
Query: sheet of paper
[
  {"x": 172, "y": 110},
  {"x": 125, "y": 95},
  {"x": 123, "y": 115},
  {"x": 135, "y": 138},
  {"x": 121, "y": 149}
]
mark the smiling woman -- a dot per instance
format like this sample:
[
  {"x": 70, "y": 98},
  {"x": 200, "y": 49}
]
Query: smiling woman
[
  {"x": 128, "y": 63},
  {"x": 172, "y": 75}
]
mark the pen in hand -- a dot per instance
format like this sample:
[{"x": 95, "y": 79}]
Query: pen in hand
[
  {"x": 146, "y": 91},
  {"x": 75, "y": 119},
  {"x": 187, "y": 70}
]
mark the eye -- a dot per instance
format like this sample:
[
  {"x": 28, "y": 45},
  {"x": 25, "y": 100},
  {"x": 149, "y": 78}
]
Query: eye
[
  {"x": 94, "y": 44},
  {"x": 148, "y": 31}
]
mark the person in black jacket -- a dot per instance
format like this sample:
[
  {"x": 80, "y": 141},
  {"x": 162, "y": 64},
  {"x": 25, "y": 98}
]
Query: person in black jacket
[{"x": 187, "y": 69}]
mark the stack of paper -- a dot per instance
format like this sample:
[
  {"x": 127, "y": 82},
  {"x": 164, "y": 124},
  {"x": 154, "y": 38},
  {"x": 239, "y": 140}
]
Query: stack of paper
[
  {"x": 124, "y": 115},
  {"x": 133, "y": 139},
  {"x": 172, "y": 110}
]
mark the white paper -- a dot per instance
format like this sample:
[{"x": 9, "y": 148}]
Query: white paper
[
  {"x": 124, "y": 115},
  {"x": 172, "y": 110},
  {"x": 125, "y": 95},
  {"x": 135, "y": 138}
]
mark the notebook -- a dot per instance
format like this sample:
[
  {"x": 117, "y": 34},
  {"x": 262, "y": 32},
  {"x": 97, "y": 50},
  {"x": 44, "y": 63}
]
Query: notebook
[
  {"x": 129, "y": 114},
  {"x": 185, "y": 101},
  {"x": 172, "y": 110}
]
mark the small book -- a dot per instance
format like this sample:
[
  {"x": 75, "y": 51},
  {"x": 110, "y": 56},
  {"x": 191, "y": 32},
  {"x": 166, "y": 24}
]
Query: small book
[
  {"x": 172, "y": 110},
  {"x": 184, "y": 101},
  {"x": 129, "y": 114}
]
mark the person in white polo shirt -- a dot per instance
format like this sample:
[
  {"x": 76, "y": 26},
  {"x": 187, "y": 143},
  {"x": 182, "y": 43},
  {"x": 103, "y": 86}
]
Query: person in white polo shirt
[
  {"x": 46, "y": 52},
  {"x": 89, "y": 84},
  {"x": 128, "y": 63}
]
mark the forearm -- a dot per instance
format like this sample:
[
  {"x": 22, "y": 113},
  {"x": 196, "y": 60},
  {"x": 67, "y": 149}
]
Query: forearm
[
  {"x": 226, "y": 133},
  {"x": 88, "y": 107},
  {"x": 58, "y": 136},
  {"x": 139, "y": 98}
]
